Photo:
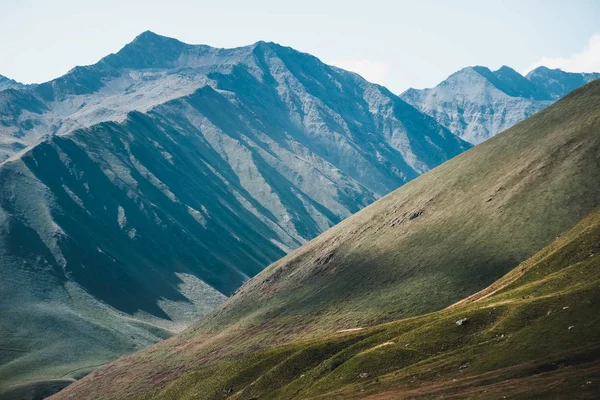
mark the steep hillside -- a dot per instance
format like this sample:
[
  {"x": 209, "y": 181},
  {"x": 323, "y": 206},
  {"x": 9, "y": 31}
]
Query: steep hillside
[
  {"x": 440, "y": 238},
  {"x": 476, "y": 103},
  {"x": 153, "y": 219},
  {"x": 532, "y": 334}
]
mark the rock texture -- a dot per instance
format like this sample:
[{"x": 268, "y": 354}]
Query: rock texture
[{"x": 476, "y": 103}]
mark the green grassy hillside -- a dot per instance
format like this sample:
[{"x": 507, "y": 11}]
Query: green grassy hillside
[
  {"x": 534, "y": 333},
  {"x": 442, "y": 237}
]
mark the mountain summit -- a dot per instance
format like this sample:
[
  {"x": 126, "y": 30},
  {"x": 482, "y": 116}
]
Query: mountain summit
[
  {"x": 556, "y": 83},
  {"x": 476, "y": 103},
  {"x": 149, "y": 50}
]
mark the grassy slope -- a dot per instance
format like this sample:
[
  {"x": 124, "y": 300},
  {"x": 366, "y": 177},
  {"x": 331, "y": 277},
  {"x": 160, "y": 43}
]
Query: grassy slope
[
  {"x": 438, "y": 239},
  {"x": 538, "y": 334}
]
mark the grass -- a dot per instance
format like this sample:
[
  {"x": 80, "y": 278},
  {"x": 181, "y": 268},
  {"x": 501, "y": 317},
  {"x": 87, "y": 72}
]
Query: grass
[
  {"x": 519, "y": 332},
  {"x": 390, "y": 268}
]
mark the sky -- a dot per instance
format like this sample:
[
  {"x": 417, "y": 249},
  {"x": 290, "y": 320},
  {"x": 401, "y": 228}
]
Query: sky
[{"x": 399, "y": 44}]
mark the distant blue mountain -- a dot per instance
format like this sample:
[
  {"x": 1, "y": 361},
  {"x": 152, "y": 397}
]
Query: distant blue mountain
[{"x": 476, "y": 103}]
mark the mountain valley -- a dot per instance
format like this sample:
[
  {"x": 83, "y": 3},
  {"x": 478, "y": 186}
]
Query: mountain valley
[
  {"x": 382, "y": 304},
  {"x": 180, "y": 221}
]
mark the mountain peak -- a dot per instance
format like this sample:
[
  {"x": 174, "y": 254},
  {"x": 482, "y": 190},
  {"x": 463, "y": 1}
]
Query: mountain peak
[
  {"x": 556, "y": 82},
  {"x": 509, "y": 81},
  {"x": 151, "y": 38},
  {"x": 481, "y": 69},
  {"x": 542, "y": 69},
  {"x": 467, "y": 70},
  {"x": 469, "y": 73},
  {"x": 263, "y": 45},
  {"x": 148, "y": 50},
  {"x": 147, "y": 35},
  {"x": 476, "y": 103},
  {"x": 505, "y": 69}
]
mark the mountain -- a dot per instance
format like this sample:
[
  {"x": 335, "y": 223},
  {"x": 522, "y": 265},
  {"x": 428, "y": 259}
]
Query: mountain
[
  {"x": 7, "y": 83},
  {"x": 476, "y": 103},
  {"x": 211, "y": 164},
  {"x": 309, "y": 325},
  {"x": 485, "y": 347},
  {"x": 555, "y": 83}
]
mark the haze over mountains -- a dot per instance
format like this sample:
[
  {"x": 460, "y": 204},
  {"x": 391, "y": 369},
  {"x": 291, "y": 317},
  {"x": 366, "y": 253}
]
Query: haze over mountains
[
  {"x": 476, "y": 103},
  {"x": 524, "y": 203},
  {"x": 167, "y": 175}
]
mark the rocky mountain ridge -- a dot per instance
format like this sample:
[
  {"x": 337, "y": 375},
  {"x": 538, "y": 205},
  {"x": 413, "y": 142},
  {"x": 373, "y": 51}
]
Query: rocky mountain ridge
[{"x": 476, "y": 103}]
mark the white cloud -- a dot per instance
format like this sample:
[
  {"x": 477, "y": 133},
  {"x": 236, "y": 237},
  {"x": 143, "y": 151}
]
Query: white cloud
[
  {"x": 587, "y": 60},
  {"x": 372, "y": 71}
]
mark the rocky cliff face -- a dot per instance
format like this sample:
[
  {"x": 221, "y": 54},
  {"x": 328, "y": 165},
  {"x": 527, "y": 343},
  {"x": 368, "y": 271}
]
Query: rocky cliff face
[{"x": 476, "y": 103}]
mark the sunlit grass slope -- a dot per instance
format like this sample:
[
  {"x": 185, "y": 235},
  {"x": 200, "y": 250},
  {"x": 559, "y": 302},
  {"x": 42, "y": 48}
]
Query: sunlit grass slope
[{"x": 534, "y": 333}]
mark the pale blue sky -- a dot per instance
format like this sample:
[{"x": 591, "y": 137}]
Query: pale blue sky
[{"x": 395, "y": 43}]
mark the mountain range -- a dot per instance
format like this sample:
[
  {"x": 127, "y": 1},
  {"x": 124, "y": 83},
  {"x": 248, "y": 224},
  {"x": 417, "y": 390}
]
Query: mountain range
[
  {"x": 476, "y": 103},
  {"x": 138, "y": 193},
  {"x": 141, "y": 191},
  {"x": 381, "y": 306}
]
